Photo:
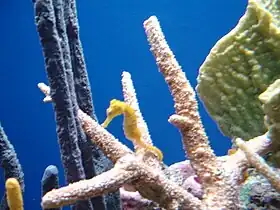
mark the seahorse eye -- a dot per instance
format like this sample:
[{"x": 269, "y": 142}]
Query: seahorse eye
[
  {"x": 109, "y": 111},
  {"x": 113, "y": 101}
]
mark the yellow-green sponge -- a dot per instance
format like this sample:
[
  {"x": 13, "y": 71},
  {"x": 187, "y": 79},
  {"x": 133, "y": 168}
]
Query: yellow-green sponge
[{"x": 240, "y": 67}]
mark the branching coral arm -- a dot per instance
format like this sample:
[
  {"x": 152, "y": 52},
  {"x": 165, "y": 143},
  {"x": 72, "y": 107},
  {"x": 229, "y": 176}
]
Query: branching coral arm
[
  {"x": 257, "y": 161},
  {"x": 127, "y": 169},
  {"x": 102, "y": 184},
  {"x": 187, "y": 119}
]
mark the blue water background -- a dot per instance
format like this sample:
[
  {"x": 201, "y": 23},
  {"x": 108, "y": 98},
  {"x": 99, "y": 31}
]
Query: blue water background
[{"x": 113, "y": 40}]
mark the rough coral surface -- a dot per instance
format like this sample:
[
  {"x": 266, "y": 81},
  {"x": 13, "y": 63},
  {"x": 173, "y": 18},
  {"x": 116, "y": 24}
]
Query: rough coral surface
[{"x": 257, "y": 193}]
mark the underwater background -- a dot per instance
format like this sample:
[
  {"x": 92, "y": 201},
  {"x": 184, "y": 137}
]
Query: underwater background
[{"x": 113, "y": 40}]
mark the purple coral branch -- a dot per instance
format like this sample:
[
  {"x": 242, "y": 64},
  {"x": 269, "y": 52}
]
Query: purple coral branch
[
  {"x": 57, "y": 27},
  {"x": 50, "y": 181}
]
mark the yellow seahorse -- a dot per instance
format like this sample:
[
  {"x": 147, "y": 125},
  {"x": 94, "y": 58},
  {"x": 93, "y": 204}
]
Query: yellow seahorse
[{"x": 131, "y": 130}]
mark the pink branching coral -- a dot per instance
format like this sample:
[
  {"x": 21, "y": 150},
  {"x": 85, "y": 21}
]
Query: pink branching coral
[{"x": 142, "y": 172}]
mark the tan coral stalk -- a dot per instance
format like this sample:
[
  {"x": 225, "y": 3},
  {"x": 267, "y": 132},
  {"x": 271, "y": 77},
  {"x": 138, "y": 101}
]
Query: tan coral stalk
[
  {"x": 106, "y": 182},
  {"x": 102, "y": 138},
  {"x": 258, "y": 162},
  {"x": 130, "y": 98},
  {"x": 187, "y": 119}
]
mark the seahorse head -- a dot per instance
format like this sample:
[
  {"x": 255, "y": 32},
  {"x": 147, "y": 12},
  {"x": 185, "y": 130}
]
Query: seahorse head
[{"x": 116, "y": 108}]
